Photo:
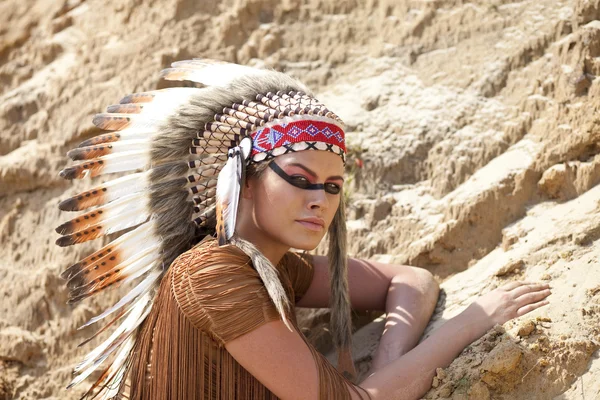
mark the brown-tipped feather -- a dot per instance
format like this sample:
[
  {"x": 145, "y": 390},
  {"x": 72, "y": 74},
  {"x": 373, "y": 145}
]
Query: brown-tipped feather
[
  {"x": 112, "y": 122},
  {"x": 91, "y": 286},
  {"x": 81, "y": 275},
  {"x": 220, "y": 228},
  {"x": 128, "y": 108},
  {"x": 142, "y": 97},
  {"x": 83, "y": 292},
  {"x": 80, "y": 223},
  {"x": 84, "y": 200},
  {"x": 93, "y": 167},
  {"x": 89, "y": 152},
  {"x": 100, "y": 139},
  {"x": 177, "y": 74},
  {"x": 95, "y": 385},
  {"x": 90, "y": 233},
  {"x": 91, "y": 261}
]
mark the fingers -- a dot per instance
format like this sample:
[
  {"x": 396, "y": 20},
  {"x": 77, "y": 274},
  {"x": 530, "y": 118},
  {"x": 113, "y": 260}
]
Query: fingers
[
  {"x": 529, "y": 287},
  {"x": 532, "y": 297},
  {"x": 512, "y": 285},
  {"x": 530, "y": 307}
]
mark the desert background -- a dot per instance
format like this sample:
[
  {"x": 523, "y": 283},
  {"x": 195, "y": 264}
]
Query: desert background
[{"x": 475, "y": 135}]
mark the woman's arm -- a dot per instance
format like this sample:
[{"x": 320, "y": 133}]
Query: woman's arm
[
  {"x": 412, "y": 373},
  {"x": 282, "y": 361},
  {"x": 407, "y": 295}
]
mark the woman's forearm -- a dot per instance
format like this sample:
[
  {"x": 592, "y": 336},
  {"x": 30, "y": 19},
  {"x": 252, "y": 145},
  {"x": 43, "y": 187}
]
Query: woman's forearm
[
  {"x": 410, "y": 302},
  {"x": 410, "y": 376}
]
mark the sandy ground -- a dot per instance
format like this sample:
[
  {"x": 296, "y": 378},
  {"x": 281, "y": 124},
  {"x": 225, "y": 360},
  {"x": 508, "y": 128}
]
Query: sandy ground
[{"x": 477, "y": 125}]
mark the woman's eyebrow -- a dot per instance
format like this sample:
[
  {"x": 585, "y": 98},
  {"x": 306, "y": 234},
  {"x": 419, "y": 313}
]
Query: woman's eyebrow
[{"x": 312, "y": 173}]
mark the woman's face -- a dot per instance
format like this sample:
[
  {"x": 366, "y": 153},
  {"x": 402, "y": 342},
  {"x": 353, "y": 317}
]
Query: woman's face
[{"x": 288, "y": 206}]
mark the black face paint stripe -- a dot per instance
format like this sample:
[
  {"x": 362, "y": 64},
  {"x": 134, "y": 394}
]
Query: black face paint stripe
[{"x": 310, "y": 186}]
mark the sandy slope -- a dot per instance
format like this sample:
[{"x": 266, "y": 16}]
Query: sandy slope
[{"x": 477, "y": 124}]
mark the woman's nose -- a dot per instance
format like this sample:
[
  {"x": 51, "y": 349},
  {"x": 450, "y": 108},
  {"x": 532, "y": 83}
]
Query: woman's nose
[{"x": 318, "y": 200}]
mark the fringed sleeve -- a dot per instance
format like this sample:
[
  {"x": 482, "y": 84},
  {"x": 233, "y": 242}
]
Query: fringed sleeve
[{"x": 221, "y": 294}]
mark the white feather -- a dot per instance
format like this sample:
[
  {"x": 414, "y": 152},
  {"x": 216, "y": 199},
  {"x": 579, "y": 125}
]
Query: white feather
[
  {"x": 140, "y": 267},
  {"x": 125, "y": 161},
  {"x": 166, "y": 102},
  {"x": 119, "y": 366},
  {"x": 127, "y": 184},
  {"x": 122, "y": 334},
  {"x": 211, "y": 73},
  {"x": 128, "y": 242},
  {"x": 228, "y": 190},
  {"x": 129, "y": 145},
  {"x": 92, "y": 357},
  {"x": 143, "y": 287},
  {"x": 132, "y": 133},
  {"x": 136, "y": 214}
]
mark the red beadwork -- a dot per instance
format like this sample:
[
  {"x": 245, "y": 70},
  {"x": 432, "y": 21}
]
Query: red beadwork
[{"x": 269, "y": 138}]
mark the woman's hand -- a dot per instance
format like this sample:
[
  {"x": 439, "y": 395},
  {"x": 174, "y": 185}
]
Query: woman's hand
[{"x": 512, "y": 300}]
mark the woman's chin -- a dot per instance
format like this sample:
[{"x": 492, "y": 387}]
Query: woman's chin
[{"x": 305, "y": 243}]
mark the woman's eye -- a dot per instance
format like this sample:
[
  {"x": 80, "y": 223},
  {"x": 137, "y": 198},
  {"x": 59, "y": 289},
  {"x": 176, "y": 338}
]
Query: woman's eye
[
  {"x": 332, "y": 188},
  {"x": 300, "y": 180}
]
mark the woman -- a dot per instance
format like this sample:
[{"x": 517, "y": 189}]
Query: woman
[{"x": 255, "y": 161}]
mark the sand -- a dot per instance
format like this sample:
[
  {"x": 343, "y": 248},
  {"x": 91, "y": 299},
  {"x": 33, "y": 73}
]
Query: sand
[{"x": 475, "y": 123}]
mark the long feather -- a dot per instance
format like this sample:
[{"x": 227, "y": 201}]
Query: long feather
[
  {"x": 126, "y": 108},
  {"x": 132, "y": 214},
  {"x": 126, "y": 161},
  {"x": 125, "y": 134},
  {"x": 228, "y": 193},
  {"x": 90, "y": 152},
  {"x": 136, "y": 312},
  {"x": 144, "y": 286},
  {"x": 123, "y": 247},
  {"x": 107, "y": 192},
  {"x": 116, "y": 318},
  {"x": 209, "y": 72},
  {"x": 134, "y": 202},
  {"x": 95, "y": 279},
  {"x": 123, "y": 337}
]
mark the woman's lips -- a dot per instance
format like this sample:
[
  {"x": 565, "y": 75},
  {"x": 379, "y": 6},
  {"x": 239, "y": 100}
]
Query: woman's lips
[{"x": 313, "y": 226}]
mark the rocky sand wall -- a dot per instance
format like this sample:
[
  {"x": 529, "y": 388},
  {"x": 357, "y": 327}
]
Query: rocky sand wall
[{"x": 476, "y": 124}]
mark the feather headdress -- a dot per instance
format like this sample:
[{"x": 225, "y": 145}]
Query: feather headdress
[{"x": 186, "y": 150}]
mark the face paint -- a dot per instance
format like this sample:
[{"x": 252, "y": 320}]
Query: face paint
[{"x": 302, "y": 183}]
